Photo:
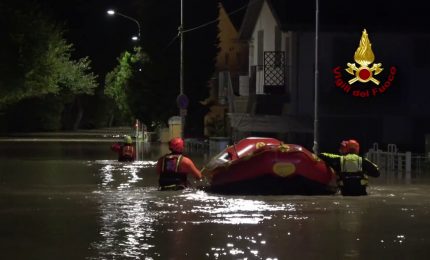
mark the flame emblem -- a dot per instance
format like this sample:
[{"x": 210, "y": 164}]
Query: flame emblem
[{"x": 364, "y": 57}]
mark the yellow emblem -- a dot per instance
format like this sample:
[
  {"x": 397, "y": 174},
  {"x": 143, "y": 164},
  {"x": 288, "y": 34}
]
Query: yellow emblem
[
  {"x": 283, "y": 148},
  {"x": 364, "y": 56},
  {"x": 284, "y": 169},
  {"x": 260, "y": 144}
]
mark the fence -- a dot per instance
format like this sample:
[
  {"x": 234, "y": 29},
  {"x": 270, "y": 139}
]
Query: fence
[
  {"x": 196, "y": 145},
  {"x": 395, "y": 164}
]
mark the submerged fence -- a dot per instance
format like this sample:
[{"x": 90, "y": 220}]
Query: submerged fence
[{"x": 395, "y": 164}]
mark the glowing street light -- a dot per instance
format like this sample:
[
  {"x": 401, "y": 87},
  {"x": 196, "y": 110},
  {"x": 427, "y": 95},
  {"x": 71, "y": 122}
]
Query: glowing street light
[{"x": 112, "y": 12}]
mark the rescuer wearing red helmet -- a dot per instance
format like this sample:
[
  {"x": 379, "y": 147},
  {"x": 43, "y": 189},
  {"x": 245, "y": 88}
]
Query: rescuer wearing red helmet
[
  {"x": 174, "y": 167},
  {"x": 125, "y": 150},
  {"x": 352, "y": 170}
]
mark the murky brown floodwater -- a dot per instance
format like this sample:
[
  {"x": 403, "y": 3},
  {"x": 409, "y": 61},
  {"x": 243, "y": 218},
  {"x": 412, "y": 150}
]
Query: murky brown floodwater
[{"x": 72, "y": 200}]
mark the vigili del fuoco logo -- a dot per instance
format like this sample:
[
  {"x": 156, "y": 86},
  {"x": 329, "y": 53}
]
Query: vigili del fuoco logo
[{"x": 365, "y": 79}]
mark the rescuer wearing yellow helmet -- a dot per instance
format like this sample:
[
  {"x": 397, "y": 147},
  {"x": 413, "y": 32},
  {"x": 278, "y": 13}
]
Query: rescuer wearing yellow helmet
[
  {"x": 352, "y": 170},
  {"x": 125, "y": 150}
]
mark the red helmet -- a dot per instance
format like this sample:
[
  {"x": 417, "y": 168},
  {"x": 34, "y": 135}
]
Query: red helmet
[
  {"x": 342, "y": 148},
  {"x": 350, "y": 146},
  {"x": 176, "y": 145}
]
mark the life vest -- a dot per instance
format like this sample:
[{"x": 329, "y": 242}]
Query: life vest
[
  {"x": 170, "y": 175},
  {"x": 127, "y": 153},
  {"x": 352, "y": 179},
  {"x": 351, "y": 163}
]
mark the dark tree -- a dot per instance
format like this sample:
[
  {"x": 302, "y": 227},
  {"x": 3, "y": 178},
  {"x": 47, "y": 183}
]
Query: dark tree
[{"x": 36, "y": 63}]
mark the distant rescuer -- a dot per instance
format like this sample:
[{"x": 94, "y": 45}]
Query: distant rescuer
[
  {"x": 174, "y": 167},
  {"x": 125, "y": 150},
  {"x": 351, "y": 169}
]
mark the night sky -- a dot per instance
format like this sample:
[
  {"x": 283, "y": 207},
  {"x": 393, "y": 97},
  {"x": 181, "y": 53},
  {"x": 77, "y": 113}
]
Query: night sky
[
  {"x": 103, "y": 38},
  {"x": 100, "y": 36},
  {"x": 92, "y": 32}
]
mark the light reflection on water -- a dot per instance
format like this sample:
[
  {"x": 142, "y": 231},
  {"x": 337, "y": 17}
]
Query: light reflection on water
[
  {"x": 143, "y": 222},
  {"x": 79, "y": 208},
  {"x": 232, "y": 210},
  {"x": 126, "y": 224},
  {"x": 133, "y": 216},
  {"x": 138, "y": 221},
  {"x": 127, "y": 171}
]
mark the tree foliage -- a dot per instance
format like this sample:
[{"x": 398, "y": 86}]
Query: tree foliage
[
  {"x": 37, "y": 71},
  {"x": 118, "y": 81},
  {"x": 35, "y": 59}
]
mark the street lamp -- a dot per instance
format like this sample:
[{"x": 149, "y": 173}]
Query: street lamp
[
  {"x": 315, "y": 147},
  {"x": 112, "y": 12},
  {"x": 182, "y": 99}
]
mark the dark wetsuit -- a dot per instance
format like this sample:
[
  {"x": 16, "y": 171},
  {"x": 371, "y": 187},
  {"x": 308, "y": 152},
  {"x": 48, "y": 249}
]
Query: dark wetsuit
[{"x": 352, "y": 171}]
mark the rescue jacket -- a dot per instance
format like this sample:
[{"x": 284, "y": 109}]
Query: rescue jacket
[
  {"x": 352, "y": 172},
  {"x": 351, "y": 163},
  {"x": 127, "y": 152},
  {"x": 170, "y": 174}
]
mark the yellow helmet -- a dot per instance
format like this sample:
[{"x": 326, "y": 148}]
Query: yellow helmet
[{"x": 127, "y": 139}]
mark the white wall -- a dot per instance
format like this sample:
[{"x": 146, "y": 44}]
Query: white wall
[{"x": 267, "y": 23}]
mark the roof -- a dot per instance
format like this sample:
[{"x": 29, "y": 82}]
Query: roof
[
  {"x": 250, "y": 18},
  {"x": 236, "y": 10}
]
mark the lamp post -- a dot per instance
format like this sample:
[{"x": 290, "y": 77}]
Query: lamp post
[
  {"x": 182, "y": 99},
  {"x": 112, "y": 12},
  {"x": 181, "y": 84},
  {"x": 315, "y": 147}
]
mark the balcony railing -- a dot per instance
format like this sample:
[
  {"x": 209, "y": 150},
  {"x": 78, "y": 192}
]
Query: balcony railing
[{"x": 270, "y": 78}]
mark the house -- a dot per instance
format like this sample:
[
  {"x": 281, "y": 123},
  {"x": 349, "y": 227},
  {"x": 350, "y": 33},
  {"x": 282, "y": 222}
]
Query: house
[
  {"x": 281, "y": 37},
  {"x": 232, "y": 58},
  {"x": 272, "y": 98}
]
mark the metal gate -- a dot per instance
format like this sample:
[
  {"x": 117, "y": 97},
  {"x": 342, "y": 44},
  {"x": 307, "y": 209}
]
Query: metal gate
[{"x": 395, "y": 164}]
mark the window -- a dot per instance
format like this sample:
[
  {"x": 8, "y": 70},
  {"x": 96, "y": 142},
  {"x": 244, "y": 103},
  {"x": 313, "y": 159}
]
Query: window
[{"x": 260, "y": 48}]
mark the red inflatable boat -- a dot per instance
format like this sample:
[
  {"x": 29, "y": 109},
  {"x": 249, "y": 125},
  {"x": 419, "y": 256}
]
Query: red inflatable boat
[{"x": 258, "y": 165}]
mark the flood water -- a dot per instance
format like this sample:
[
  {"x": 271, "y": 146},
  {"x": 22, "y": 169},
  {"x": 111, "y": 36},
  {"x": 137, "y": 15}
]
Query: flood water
[{"x": 73, "y": 200}]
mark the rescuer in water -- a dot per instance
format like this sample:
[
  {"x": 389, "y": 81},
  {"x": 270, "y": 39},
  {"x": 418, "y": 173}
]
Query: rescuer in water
[
  {"x": 173, "y": 168},
  {"x": 351, "y": 169},
  {"x": 125, "y": 150}
]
